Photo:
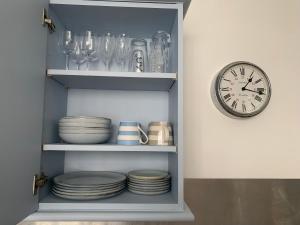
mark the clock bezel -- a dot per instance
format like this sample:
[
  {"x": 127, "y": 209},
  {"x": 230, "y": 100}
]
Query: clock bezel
[{"x": 219, "y": 96}]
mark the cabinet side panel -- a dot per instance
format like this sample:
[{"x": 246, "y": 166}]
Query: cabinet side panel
[
  {"x": 176, "y": 109},
  {"x": 55, "y": 107}
]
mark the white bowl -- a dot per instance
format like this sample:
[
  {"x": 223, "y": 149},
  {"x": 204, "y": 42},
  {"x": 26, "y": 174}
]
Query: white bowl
[
  {"x": 88, "y": 119},
  {"x": 85, "y": 128},
  {"x": 84, "y": 124},
  {"x": 83, "y": 131},
  {"x": 85, "y": 138}
]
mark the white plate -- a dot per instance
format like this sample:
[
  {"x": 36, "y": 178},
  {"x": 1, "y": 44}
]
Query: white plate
[
  {"x": 95, "y": 197},
  {"x": 148, "y": 174},
  {"x": 88, "y": 190},
  {"x": 89, "y": 179},
  {"x": 148, "y": 181},
  {"x": 143, "y": 188},
  {"x": 94, "y": 188},
  {"x": 148, "y": 193},
  {"x": 85, "y": 138},
  {"x": 85, "y": 193}
]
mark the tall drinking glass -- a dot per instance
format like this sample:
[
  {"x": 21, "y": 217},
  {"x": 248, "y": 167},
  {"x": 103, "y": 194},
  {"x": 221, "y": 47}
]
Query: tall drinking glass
[
  {"x": 66, "y": 43},
  {"x": 79, "y": 55},
  {"x": 107, "y": 47},
  {"x": 90, "y": 46},
  {"x": 122, "y": 50},
  {"x": 139, "y": 55}
]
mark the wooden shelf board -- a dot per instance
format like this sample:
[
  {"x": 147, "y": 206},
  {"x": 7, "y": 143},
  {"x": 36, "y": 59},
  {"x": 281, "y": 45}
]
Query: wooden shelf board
[
  {"x": 113, "y": 80},
  {"x": 108, "y": 147}
]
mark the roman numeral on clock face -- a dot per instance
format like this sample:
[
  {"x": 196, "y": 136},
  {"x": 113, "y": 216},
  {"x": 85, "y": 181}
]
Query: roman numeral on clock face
[
  {"x": 234, "y": 104},
  {"x": 259, "y": 80},
  {"x": 257, "y": 98},
  {"x": 233, "y": 73},
  {"x": 244, "y": 108},
  {"x": 225, "y": 89},
  {"x": 242, "y": 71},
  {"x": 260, "y": 90},
  {"x": 227, "y": 96}
]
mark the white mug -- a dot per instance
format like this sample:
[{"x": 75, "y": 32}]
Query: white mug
[
  {"x": 160, "y": 133},
  {"x": 130, "y": 133}
]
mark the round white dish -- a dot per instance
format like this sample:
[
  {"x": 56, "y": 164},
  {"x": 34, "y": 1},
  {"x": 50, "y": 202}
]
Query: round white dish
[
  {"x": 88, "y": 190},
  {"x": 88, "y": 119},
  {"x": 89, "y": 179},
  {"x": 84, "y": 125},
  {"x": 84, "y": 130},
  {"x": 82, "y": 138},
  {"x": 148, "y": 174},
  {"x": 94, "y": 188},
  {"x": 93, "y": 197},
  {"x": 148, "y": 193},
  {"x": 158, "y": 188},
  {"x": 85, "y": 193}
]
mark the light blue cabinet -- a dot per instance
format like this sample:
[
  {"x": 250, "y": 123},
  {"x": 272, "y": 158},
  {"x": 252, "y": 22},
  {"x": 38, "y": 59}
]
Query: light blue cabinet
[{"x": 39, "y": 100}]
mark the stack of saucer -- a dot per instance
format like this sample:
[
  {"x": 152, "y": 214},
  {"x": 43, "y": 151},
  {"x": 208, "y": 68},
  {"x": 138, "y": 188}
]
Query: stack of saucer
[
  {"x": 149, "y": 182},
  {"x": 89, "y": 185},
  {"x": 84, "y": 130}
]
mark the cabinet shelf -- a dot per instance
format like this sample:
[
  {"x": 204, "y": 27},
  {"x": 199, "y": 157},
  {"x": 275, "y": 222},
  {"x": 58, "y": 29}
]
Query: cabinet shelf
[
  {"x": 113, "y": 80},
  {"x": 108, "y": 148},
  {"x": 124, "y": 201}
]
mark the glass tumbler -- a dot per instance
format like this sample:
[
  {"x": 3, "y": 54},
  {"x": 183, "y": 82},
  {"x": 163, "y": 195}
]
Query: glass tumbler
[{"x": 139, "y": 55}]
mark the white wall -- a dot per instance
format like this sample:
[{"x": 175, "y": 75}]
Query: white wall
[{"x": 267, "y": 33}]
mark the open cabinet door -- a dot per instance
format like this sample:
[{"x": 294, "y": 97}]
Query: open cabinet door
[{"x": 22, "y": 78}]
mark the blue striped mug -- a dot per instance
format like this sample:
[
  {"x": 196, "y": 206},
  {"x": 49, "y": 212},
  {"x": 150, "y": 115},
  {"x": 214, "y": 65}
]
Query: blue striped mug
[{"x": 131, "y": 133}]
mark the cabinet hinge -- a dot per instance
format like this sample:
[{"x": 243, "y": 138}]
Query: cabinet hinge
[
  {"x": 46, "y": 21},
  {"x": 38, "y": 182}
]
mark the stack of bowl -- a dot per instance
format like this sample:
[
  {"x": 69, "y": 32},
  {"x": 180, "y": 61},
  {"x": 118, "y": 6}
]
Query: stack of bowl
[{"x": 84, "y": 130}]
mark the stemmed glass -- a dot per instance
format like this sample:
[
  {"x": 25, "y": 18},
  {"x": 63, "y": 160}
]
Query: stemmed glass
[
  {"x": 107, "y": 47},
  {"x": 66, "y": 43},
  {"x": 78, "y": 55},
  {"x": 91, "y": 47},
  {"x": 122, "y": 50}
]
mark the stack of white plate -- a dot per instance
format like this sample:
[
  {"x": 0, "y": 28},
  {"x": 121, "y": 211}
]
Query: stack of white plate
[
  {"x": 149, "y": 182},
  {"x": 89, "y": 185},
  {"x": 84, "y": 130}
]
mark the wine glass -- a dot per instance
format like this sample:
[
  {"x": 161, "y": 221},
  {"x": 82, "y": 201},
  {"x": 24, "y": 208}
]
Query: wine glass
[
  {"x": 107, "y": 47},
  {"x": 78, "y": 55},
  {"x": 66, "y": 43},
  {"x": 90, "y": 46},
  {"x": 122, "y": 50}
]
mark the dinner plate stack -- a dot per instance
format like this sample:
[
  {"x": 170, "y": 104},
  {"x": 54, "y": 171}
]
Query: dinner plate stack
[
  {"x": 84, "y": 130},
  {"x": 149, "y": 182},
  {"x": 88, "y": 185}
]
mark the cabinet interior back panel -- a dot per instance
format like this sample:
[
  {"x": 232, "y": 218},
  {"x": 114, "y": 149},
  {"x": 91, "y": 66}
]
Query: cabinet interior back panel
[
  {"x": 141, "y": 106},
  {"x": 136, "y": 22},
  {"x": 114, "y": 161}
]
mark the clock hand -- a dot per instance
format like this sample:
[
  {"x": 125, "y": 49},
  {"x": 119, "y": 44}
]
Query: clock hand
[
  {"x": 249, "y": 80},
  {"x": 259, "y": 92}
]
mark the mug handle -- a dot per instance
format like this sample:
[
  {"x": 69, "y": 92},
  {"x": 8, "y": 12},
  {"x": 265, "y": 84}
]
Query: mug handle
[
  {"x": 166, "y": 133},
  {"x": 143, "y": 133}
]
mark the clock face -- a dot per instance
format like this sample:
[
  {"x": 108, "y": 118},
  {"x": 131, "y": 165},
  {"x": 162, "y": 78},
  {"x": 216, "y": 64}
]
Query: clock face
[{"x": 243, "y": 89}]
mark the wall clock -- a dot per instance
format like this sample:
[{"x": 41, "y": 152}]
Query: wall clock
[{"x": 243, "y": 89}]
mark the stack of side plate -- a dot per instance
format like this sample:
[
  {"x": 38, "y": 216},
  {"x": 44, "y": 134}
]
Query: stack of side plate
[
  {"x": 149, "y": 182},
  {"x": 89, "y": 185},
  {"x": 84, "y": 129}
]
